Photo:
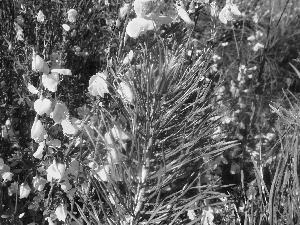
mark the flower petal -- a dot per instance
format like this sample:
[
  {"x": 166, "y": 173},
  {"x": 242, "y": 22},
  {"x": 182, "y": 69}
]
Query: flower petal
[
  {"x": 50, "y": 81},
  {"x": 68, "y": 128}
]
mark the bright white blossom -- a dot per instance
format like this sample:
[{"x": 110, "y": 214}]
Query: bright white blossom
[
  {"x": 55, "y": 170},
  {"x": 40, "y": 17},
  {"x": 98, "y": 85},
  {"x": 38, "y": 183},
  {"x": 139, "y": 26},
  {"x": 184, "y": 15},
  {"x": 38, "y": 131},
  {"x": 207, "y": 216},
  {"x": 72, "y": 14},
  {"x": 42, "y": 106},
  {"x": 228, "y": 12},
  {"x": 257, "y": 46},
  {"x": 32, "y": 89},
  {"x": 68, "y": 127},
  {"x": 24, "y": 190},
  {"x": 50, "y": 81},
  {"x": 66, "y": 27},
  {"x": 38, "y": 64},
  {"x": 61, "y": 213},
  {"x": 7, "y": 176}
]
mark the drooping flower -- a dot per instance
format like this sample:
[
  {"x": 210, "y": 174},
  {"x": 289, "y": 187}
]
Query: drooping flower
[
  {"x": 72, "y": 14},
  {"x": 56, "y": 170},
  {"x": 38, "y": 131},
  {"x": 38, "y": 183},
  {"x": 98, "y": 85},
  {"x": 61, "y": 213},
  {"x": 40, "y": 17},
  {"x": 24, "y": 190},
  {"x": 50, "y": 81},
  {"x": 42, "y": 105}
]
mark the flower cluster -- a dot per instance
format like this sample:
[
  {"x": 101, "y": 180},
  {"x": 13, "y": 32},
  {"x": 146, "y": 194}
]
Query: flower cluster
[{"x": 147, "y": 19}]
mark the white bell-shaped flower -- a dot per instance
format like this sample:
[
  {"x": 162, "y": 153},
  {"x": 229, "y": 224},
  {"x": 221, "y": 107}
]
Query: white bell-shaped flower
[
  {"x": 38, "y": 131},
  {"x": 98, "y": 85},
  {"x": 24, "y": 190},
  {"x": 72, "y": 14},
  {"x": 38, "y": 183},
  {"x": 61, "y": 213},
  {"x": 50, "y": 81},
  {"x": 7, "y": 176},
  {"x": 139, "y": 26},
  {"x": 42, "y": 106},
  {"x": 56, "y": 170},
  {"x": 68, "y": 127}
]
